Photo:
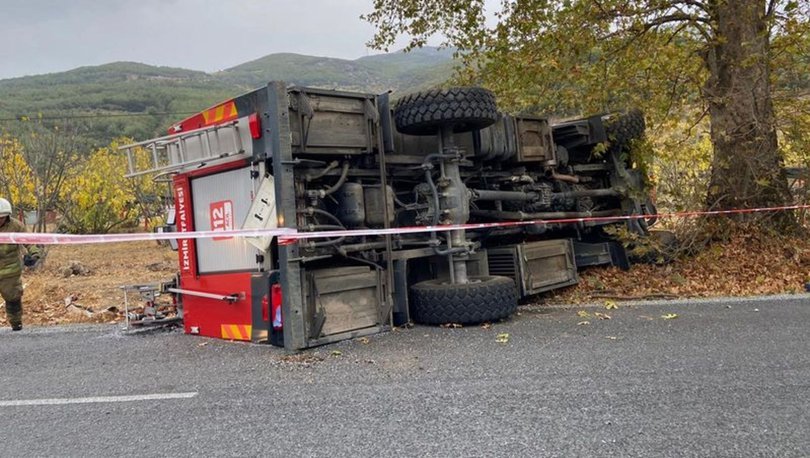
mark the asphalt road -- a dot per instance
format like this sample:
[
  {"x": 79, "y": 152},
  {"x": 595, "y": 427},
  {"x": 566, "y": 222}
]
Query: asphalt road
[{"x": 721, "y": 379}]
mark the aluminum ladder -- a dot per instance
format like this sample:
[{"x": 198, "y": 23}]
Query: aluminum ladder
[{"x": 177, "y": 151}]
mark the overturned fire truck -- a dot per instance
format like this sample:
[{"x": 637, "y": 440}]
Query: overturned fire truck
[{"x": 321, "y": 160}]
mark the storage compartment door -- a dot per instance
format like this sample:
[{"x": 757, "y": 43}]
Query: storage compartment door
[
  {"x": 343, "y": 299},
  {"x": 547, "y": 265},
  {"x": 221, "y": 202},
  {"x": 332, "y": 122}
]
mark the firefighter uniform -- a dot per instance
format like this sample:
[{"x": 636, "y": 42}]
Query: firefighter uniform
[{"x": 11, "y": 288}]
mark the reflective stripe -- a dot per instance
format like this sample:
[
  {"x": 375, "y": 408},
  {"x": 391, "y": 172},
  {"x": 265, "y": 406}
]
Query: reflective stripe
[
  {"x": 236, "y": 331},
  {"x": 225, "y": 112}
]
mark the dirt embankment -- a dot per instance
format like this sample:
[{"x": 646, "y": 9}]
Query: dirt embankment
[{"x": 92, "y": 276}]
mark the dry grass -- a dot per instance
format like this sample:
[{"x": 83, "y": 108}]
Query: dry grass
[{"x": 110, "y": 265}]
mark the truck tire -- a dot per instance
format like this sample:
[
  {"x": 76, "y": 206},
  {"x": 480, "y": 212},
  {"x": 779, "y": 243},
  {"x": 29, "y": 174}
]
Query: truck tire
[
  {"x": 463, "y": 108},
  {"x": 486, "y": 298},
  {"x": 623, "y": 128}
]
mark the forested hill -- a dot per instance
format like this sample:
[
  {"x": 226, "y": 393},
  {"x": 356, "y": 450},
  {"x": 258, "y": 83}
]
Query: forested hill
[
  {"x": 97, "y": 96},
  {"x": 418, "y": 68}
]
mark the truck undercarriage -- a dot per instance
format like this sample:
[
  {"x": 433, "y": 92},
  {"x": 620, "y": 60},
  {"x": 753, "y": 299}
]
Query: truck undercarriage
[{"x": 317, "y": 160}]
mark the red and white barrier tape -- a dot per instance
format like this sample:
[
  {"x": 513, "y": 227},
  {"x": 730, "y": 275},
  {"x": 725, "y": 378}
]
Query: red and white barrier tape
[{"x": 288, "y": 235}]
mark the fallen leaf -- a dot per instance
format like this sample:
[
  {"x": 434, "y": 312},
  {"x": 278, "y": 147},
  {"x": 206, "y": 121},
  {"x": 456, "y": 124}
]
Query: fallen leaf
[
  {"x": 670, "y": 316},
  {"x": 602, "y": 316},
  {"x": 363, "y": 340},
  {"x": 611, "y": 305},
  {"x": 583, "y": 314},
  {"x": 336, "y": 353},
  {"x": 502, "y": 338},
  {"x": 486, "y": 326},
  {"x": 678, "y": 279},
  {"x": 583, "y": 323}
]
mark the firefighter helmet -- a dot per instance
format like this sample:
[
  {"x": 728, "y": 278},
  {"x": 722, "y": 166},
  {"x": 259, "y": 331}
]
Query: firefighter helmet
[{"x": 5, "y": 207}]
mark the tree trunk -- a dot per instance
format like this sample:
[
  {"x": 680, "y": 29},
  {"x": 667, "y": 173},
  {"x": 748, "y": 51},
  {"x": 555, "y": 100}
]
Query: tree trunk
[{"x": 747, "y": 170}]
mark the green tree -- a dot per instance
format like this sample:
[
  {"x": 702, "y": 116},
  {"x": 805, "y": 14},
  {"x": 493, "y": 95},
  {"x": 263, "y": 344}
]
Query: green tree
[{"x": 666, "y": 55}]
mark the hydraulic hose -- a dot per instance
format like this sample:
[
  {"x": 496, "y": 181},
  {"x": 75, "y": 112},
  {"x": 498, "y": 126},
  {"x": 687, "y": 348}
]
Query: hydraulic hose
[
  {"x": 329, "y": 242},
  {"x": 343, "y": 175},
  {"x": 318, "y": 211},
  {"x": 323, "y": 227},
  {"x": 326, "y": 227},
  {"x": 454, "y": 250},
  {"x": 323, "y": 172}
]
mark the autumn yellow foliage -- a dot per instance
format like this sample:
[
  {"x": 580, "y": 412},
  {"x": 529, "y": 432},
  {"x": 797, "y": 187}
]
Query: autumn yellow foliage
[
  {"x": 94, "y": 196},
  {"x": 97, "y": 198},
  {"x": 16, "y": 178}
]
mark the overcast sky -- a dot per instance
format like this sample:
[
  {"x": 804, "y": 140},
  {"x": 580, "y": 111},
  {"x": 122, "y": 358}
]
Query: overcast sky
[{"x": 44, "y": 36}]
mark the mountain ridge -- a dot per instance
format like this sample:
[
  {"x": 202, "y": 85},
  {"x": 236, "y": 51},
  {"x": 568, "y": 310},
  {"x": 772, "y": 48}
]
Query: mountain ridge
[{"x": 124, "y": 87}]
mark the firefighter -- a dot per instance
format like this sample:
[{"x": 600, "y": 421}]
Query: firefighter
[{"x": 11, "y": 288}]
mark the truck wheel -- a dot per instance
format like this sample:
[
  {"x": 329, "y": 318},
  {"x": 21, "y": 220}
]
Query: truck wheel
[
  {"x": 622, "y": 128},
  {"x": 463, "y": 108},
  {"x": 486, "y": 298}
]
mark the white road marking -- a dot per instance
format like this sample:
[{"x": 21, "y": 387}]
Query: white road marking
[{"x": 96, "y": 399}]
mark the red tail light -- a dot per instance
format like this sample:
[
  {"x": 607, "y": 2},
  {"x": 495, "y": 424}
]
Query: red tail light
[
  {"x": 255, "y": 125},
  {"x": 275, "y": 306}
]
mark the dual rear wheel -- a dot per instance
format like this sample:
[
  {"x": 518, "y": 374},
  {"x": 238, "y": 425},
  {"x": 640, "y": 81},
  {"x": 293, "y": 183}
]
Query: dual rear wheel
[{"x": 483, "y": 298}]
